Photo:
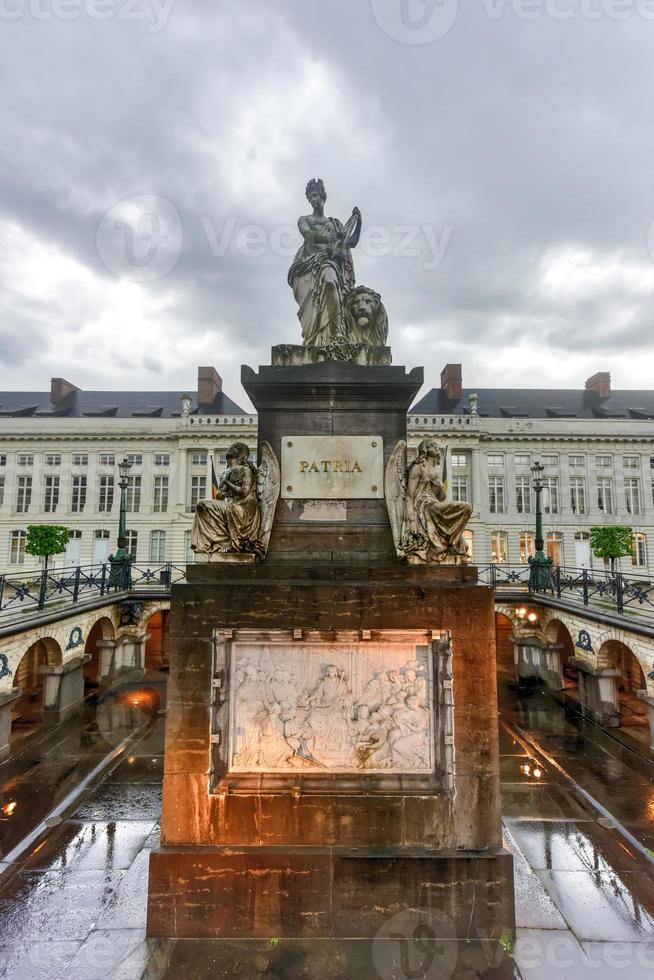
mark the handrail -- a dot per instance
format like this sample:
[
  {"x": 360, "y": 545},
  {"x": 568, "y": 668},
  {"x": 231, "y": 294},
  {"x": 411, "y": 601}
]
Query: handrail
[
  {"x": 24, "y": 594},
  {"x": 610, "y": 591},
  {"x": 28, "y": 593}
]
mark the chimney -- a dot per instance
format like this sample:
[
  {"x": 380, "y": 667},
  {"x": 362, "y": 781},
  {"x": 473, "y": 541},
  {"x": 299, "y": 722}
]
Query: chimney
[
  {"x": 210, "y": 384},
  {"x": 452, "y": 381},
  {"x": 60, "y": 389},
  {"x": 600, "y": 383}
]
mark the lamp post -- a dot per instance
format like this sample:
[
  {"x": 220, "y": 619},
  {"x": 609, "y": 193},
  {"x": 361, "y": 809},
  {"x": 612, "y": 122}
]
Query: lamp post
[
  {"x": 540, "y": 577},
  {"x": 120, "y": 576}
]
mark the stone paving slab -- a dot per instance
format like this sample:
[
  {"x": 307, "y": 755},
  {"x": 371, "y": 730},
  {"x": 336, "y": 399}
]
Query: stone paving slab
[
  {"x": 599, "y": 906},
  {"x": 115, "y": 801},
  {"x": 29, "y": 960},
  {"x": 119, "y": 954},
  {"x": 92, "y": 846},
  {"x": 539, "y": 801},
  {"x": 56, "y": 905},
  {"x": 557, "y": 955},
  {"x": 127, "y": 908},
  {"x": 534, "y": 908},
  {"x": 571, "y": 846}
]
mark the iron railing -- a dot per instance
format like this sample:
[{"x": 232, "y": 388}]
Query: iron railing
[
  {"x": 613, "y": 592},
  {"x": 27, "y": 593},
  {"x": 24, "y": 594}
]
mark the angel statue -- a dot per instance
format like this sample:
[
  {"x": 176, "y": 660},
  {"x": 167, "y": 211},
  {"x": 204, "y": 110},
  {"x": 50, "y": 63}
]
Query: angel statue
[
  {"x": 238, "y": 518},
  {"x": 426, "y": 526},
  {"x": 323, "y": 272}
]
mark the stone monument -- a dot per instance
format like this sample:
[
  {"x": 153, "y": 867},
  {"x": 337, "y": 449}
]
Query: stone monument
[{"x": 331, "y": 739}]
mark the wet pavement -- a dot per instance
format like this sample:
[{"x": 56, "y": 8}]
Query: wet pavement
[
  {"x": 73, "y": 903},
  {"x": 584, "y": 891}
]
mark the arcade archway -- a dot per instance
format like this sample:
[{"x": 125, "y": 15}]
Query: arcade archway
[
  {"x": 156, "y": 647},
  {"x": 27, "y": 709},
  {"x": 102, "y": 630},
  {"x": 633, "y": 712},
  {"x": 558, "y": 633}
]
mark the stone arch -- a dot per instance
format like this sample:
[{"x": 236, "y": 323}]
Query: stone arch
[
  {"x": 616, "y": 654},
  {"x": 149, "y": 609},
  {"x": 508, "y": 612},
  {"x": 27, "y": 709},
  {"x": 559, "y": 631},
  {"x": 156, "y": 645},
  {"x": 102, "y": 631}
]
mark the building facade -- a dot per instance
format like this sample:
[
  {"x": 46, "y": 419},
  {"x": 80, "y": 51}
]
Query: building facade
[
  {"x": 59, "y": 452},
  {"x": 59, "y": 455}
]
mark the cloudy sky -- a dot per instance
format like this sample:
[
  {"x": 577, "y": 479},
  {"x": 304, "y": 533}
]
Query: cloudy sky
[{"x": 155, "y": 154}]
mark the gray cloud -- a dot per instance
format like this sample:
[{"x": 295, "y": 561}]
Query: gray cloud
[{"x": 531, "y": 140}]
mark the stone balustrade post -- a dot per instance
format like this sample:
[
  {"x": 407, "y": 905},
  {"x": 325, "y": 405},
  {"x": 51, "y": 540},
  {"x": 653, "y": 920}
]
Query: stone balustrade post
[
  {"x": 6, "y": 700},
  {"x": 63, "y": 688}
]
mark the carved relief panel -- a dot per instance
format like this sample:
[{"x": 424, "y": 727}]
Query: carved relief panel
[{"x": 333, "y": 703}]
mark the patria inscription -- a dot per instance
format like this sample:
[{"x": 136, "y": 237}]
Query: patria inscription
[{"x": 332, "y": 467}]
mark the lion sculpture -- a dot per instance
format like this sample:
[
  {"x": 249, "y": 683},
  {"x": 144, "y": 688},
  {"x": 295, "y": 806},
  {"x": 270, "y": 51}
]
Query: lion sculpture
[{"x": 365, "y": 317}]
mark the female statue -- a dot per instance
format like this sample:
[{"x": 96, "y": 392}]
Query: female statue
[
  {"x": 323, "y": 272},
  {"x": 426, "y": 527},
  {"x": 433, "y": 527},
  {"x": 231, "y": 522}
]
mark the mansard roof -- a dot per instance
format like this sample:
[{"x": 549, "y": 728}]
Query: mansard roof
[
  {"x": 540, "y": 403},
  {"x": 111, "y": 404}
]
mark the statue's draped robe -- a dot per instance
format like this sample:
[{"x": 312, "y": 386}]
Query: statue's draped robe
[
  {"x": 441, "y": 523},
  {"x": 320, "y": 277},
  {"x": 230, "y": 524}
]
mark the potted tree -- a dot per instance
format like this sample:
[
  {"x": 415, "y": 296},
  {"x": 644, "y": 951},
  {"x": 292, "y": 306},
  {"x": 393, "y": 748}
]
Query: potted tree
[
  {"x": 611, "y": 543},
  {"x": 45, "y": 540}
]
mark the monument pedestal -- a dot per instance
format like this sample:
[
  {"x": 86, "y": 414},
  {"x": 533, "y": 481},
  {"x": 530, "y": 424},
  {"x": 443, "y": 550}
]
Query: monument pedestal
[
  {"x": 308, "y": 853},
  {"x": 331, "y": 735}
]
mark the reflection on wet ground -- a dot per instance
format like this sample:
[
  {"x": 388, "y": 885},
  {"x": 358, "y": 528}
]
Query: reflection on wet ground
[
  {"x": 584, "y": 895},
  {"x": 74, "y": 905}
]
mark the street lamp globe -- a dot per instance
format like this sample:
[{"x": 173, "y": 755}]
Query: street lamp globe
[{"x": 123, "y": 469}]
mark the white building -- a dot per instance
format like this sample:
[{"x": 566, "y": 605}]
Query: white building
[
  {"x": 59, "y": 452},
  {"x": 597, "y": 446}
]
